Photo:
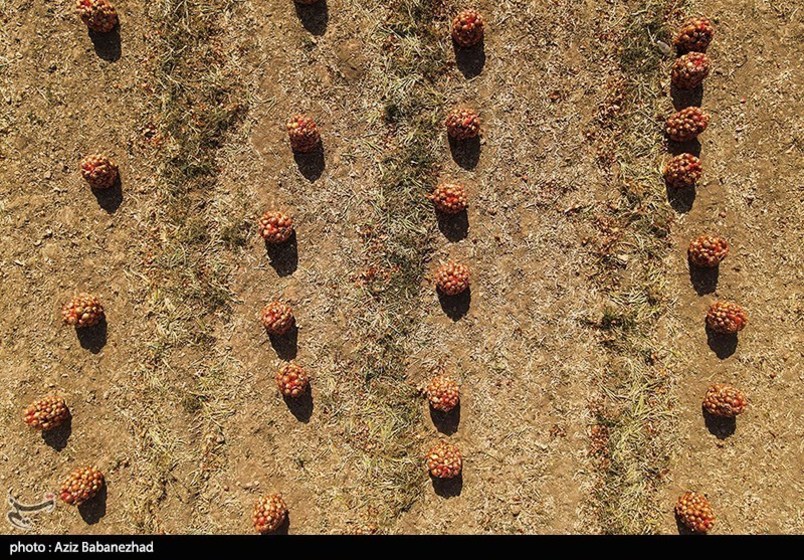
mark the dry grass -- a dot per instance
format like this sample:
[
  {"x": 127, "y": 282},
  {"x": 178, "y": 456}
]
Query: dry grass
[
  {"x": 198, "y": 99},
  {"x": 634, "y": 403},
  {"x": 397, "y": 242}
]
